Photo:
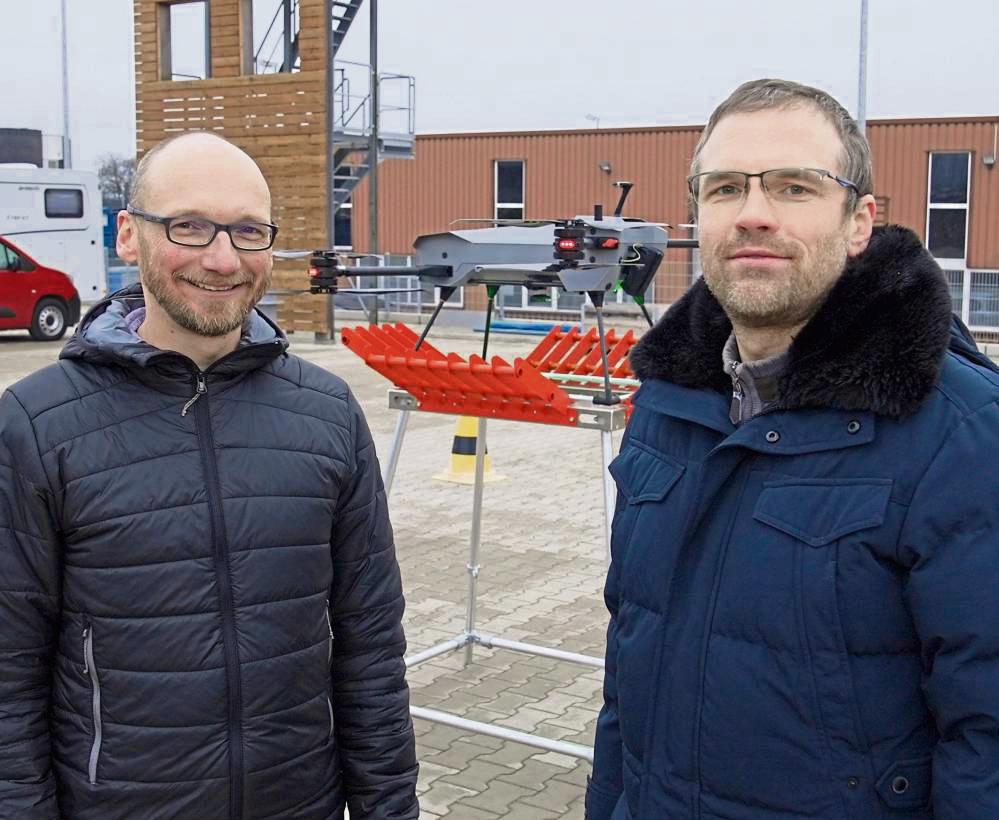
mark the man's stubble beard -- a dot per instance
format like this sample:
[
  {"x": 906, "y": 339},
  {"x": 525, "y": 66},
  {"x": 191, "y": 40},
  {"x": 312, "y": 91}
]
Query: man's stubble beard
[
  {"x": 224, "y": 318},
  {"x": 769, "y": 301}
]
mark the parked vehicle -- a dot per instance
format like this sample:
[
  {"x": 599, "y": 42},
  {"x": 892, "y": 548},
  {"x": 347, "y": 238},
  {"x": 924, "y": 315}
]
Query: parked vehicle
[
  {"x": 34, "y": 297},
  {"x": 55, "y": 215}
]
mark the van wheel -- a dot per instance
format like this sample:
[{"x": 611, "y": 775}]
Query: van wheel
[{"x": 49, "y": 322}]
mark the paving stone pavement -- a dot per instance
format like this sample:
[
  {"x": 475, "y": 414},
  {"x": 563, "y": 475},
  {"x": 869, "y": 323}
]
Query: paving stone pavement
[
  {"x": 542, "y": 568},
  {"x": 542, "y": 573}
]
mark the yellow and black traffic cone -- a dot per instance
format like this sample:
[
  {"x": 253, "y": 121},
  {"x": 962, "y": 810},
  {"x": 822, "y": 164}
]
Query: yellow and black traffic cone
[{"x": 461, "y": 468}]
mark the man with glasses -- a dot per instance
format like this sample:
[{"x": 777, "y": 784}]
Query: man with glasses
[
  {"x": 805, "y": 567},
  {"x": 200, "y": 604}
]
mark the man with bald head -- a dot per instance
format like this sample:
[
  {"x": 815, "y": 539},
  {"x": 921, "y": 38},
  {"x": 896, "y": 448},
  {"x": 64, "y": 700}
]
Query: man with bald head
[{"x": 200, "y": 603}]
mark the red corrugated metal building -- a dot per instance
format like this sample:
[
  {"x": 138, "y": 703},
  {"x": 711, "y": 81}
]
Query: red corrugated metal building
[{"x": 937, "y": 176}]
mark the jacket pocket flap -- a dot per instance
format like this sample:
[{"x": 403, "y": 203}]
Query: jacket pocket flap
[
  {"x": 643, "y": 475},
  {"x": 818, "y": 511},
  {"x": 907, "y": 784}
]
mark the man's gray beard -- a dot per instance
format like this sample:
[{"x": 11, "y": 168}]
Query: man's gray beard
[
  {"x": 214, "y": 325},
  {"x": 790, "y": 305}
]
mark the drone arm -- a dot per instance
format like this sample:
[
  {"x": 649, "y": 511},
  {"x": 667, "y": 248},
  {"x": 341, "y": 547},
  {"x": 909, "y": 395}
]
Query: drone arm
[{"x": 395, "y": 270}]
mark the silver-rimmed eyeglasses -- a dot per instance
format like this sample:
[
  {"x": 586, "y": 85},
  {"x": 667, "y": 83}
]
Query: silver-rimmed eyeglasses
[
  {"x": 783, "y": 185},
  {"x": 198, "y": 232}
]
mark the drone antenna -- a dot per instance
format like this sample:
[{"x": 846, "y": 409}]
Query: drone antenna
[
  {"x": 445, "y": 295},
  {"x": 598, "y": 213},
  {"x": 625, "y": 190}
]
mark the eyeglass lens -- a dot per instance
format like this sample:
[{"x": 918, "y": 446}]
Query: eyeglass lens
[
  {"x": 196, "y": 232},
  {"x": 781, "y": 184}
]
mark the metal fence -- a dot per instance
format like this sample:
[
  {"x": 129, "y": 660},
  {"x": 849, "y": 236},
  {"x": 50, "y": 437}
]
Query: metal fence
[{"x": 975, "y": 297}]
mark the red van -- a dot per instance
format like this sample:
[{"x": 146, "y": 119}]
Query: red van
[{"x": 41, "y": 300}]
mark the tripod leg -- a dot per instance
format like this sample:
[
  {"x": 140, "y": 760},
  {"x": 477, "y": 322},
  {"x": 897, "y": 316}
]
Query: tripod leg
[
  {"x": 476, "y": 538},
  {"x": 393, "y": 458}
]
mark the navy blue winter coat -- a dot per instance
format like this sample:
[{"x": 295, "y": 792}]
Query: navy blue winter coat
[
  {"x": 200, "y": 603},
  {"x": 805, "y": 608}
]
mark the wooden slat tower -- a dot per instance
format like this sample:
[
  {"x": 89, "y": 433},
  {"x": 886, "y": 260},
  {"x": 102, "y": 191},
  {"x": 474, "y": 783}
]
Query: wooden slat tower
[{"x": 277, "y": 118}]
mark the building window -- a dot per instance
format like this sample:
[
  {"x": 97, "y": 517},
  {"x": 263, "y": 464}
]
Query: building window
[
  {"x": 509, "y": 189},
  {"x": 947, "y": 204},
  {"x": 342, "y": 232},
  {"x": 270, "y": 31},
  {"x": 63, "y": 203},
  {"x": 184, "y": 40}
]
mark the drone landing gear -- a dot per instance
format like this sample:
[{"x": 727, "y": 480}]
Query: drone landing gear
[
  {"x": 446, "y": 293},
  {"x": 645, "y": 312},
  {"x": 608, "y": 398},
  {"x": 491, "y": 291}
]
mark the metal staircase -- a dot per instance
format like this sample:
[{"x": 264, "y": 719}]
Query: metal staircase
[
  {"x": 344, "y": 12},
  {"x": 278, "y": 51},
  {"x": 352, "y": 124},
  {"x": 352, "y": 113}
]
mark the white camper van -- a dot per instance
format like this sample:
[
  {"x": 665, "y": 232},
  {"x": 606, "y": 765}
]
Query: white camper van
[{"x": 55, "y": 216}]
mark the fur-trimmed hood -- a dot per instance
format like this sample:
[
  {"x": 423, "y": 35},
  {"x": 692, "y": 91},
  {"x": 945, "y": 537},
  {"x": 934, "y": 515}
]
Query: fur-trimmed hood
[{"x": 877, "y": 343}]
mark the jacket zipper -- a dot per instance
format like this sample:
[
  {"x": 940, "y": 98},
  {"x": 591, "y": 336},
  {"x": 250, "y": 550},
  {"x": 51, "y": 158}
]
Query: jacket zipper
[
  {"x": 223, "y": 577},
  {"x": 738, "y": 394},
  {"x": 200, "y": 389},
  {"x": 90, "y": 669},
  {"x": 329, "y": 661}
]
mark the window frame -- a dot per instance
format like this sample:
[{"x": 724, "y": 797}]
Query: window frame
[
  {"x": 248, "y": 65},
  {"x": 165, "y": 39},
  {"x": 77, "y": 214},
  {"x": 523, "y": 189},
  {"x": 948, "y": 206}
]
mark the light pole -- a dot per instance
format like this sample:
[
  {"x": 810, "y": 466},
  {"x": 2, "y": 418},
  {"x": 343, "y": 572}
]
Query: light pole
[
  {"x": 67, "y": 149},
  {"x": 862, "y": 71},
  {"x": 594, "y": 119}
]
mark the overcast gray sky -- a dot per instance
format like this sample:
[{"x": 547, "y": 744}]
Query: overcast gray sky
[{"x": 526, "y": 64}]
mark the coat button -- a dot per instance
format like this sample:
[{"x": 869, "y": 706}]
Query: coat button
[
  {"x": 900, "y": 785},
  {"x": 853, "y": 782},
  {"x": 773, "y": 436},
  {"x": 853, "y": 427}
]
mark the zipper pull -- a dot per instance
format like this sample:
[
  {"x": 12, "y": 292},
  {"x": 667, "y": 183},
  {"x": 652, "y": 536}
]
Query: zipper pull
[
  {"x": 86, "y": 663},
  {"x": 735, "y": 409},
  {"x": 329, "y": 626},
  {"x": 201, "y": 390}
]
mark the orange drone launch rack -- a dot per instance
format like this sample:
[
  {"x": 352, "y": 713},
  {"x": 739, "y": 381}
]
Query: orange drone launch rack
[{"x": 448, "y": 383}]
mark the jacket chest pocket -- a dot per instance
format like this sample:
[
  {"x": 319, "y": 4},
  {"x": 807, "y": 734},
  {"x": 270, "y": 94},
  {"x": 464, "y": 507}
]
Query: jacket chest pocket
[{"x": 648, "y": 516}]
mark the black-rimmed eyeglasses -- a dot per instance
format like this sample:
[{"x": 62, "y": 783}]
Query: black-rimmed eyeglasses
[
  {"x": 784, "y": 185},
  {"x": 198, "y": 232}
]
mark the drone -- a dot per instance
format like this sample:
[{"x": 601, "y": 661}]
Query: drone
[{"x": 591, "y": 254}]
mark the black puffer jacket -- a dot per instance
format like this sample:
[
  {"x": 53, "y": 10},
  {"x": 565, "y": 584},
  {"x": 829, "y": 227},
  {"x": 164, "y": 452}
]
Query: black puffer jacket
[{"x": 199, "y": 611}]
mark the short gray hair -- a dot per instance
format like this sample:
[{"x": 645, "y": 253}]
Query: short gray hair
[{"x": 766, "y": 94}]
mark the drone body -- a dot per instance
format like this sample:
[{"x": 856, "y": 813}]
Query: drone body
[
  {"x": 581, "y": 255},
  {"x": 585, "y": 254}
]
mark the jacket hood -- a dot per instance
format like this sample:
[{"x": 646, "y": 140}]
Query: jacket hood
[
  {"x": 877, "y": 342},
  {"x": 104, "y": 337}
]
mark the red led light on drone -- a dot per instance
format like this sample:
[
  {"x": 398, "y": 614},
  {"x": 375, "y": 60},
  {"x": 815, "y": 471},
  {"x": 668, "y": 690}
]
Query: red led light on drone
[{"x": 568, "y": 244}]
